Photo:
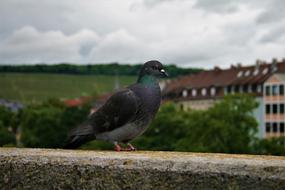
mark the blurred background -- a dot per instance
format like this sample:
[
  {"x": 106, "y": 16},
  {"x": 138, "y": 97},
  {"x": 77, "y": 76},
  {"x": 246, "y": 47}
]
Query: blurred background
[{"x": 61, "y": 60}]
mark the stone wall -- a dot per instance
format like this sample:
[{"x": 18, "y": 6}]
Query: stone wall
[{"x": 78, "y": 169}]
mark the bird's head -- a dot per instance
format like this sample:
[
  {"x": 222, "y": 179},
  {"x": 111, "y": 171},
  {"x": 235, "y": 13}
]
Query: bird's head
[{"x": 154, "y": 68}]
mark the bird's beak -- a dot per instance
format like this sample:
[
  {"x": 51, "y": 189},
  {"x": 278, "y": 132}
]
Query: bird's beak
[{"x": 162, "y": 71}]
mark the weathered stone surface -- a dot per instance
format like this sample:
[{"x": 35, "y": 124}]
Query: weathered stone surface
[{"x": 77, "y": 169}]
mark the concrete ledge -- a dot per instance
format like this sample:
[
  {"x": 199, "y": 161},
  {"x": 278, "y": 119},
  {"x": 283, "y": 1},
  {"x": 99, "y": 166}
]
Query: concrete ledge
[{"x": 77, "y": 169}]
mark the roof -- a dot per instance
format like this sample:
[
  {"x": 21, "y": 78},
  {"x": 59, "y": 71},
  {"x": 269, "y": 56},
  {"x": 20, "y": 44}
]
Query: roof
[
  {"x": 281, "y": 76},
  {"x": 77, "y": 101},
  {"x": 255, "y": 74}
]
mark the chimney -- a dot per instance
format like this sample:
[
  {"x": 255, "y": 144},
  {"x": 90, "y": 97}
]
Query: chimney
[
  {"x": 257, "y": 64},
  {"x": 273, "y": 66},
  {"x": 239, "y": 65},
  {"x": 217, "y": 68}
]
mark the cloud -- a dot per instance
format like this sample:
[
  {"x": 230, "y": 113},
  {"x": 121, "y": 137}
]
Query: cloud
[
  {"x": 198, "y": 33},
  {"x": 273, "y": 12},
  {"x": 218, "y": 6},
  {"x": 28, "y": 45}
]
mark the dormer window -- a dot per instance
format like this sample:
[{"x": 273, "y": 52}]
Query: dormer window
[
  {"x": 213, "y": 91},
  {"x": 239, "y": 74},
  {"x": 255, "y": 72},
  {"x": 204, "y": 92},
  {"x": 247, "y": 73},
  {"x": 184, "y": 93},
  {"x": 194, "y": 92},
  {"x": 265, "y": 71}
]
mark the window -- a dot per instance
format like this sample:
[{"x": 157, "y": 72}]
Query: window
[
  {"x": 184, "y": 93},
  {"x": 239, "y": 74},
  {"x": 282, "y": 127},
  {"x": 194, "y": 92},
  {"x": 245, "y": 88},
  {"x": 204, "y": 92},
  {"x": 247, "y": 73},
  {"x": 229, "y": 89},
  {"x": 267, "y": 109},
  {"x": 233, "y": 90},
  {"x": 213, "y": 91},
  {"x": 267, "y": 90},
  {"x": 281, "y": 108},
  {"x": 274, "y": 90},
  {"x": 274, "y": 109},
  {"x": 255, "y": 72},
  {"x": 265, "y": 71},
  {"x": 236, "y": 88},
  {"x": 281, "y": 89},
  {"x": 254, "y": 86},
  {"x": 267, "y": 127},
  {"x": 275, "y": 127}
]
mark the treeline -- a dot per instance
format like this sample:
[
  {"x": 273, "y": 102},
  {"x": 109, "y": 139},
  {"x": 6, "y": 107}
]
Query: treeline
[{"x": 104, "y": 69}]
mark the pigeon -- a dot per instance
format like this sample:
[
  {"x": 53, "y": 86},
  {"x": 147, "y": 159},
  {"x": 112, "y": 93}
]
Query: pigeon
[{"x": 126, "y": 114}]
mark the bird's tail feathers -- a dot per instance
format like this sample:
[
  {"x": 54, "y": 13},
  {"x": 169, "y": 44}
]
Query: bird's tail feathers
[
  {"x": 80, "y": 135},
  {"x": 76, "y": 142}
]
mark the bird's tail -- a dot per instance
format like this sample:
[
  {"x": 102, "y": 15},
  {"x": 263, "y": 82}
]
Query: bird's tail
[
  {"x": 79, "y": 136},
  {"x": 76, "y": 142}
]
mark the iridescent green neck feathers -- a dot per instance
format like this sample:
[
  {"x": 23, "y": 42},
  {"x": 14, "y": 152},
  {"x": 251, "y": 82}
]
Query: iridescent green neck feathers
[{"x": 148, "y": 80}]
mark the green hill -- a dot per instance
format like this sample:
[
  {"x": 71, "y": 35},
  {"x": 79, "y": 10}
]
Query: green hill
[{"x": 34, "y": 87}]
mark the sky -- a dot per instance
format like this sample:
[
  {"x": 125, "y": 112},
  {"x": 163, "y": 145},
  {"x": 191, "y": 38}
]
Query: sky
[{"x": 188, "y": 33}]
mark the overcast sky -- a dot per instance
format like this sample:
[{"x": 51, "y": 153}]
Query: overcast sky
[{"x": 195, "y": 33}]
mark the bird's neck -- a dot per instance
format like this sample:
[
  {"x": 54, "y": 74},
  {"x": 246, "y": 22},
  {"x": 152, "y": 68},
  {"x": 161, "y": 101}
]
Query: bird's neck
[{"x": 147, "y": 80}]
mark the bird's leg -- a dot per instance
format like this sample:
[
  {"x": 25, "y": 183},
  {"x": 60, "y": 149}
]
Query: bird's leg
[
  {"x": 117, "y": 147},
  {"x": 130, "y": 147}
]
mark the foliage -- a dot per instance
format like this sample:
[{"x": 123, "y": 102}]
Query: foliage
[
  {"x": 274, "y": 146},
  {"x": 7, "y": 124},
  {"x": 226, "y": 127},
  {"x": 213, "y": 130},
  {"x": 168, "y": 126},
  {"x": 101, "y": 69},
  {"x": 47, "y": 125}
]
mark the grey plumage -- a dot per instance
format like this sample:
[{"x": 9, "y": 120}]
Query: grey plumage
[{"x": 126, "y": 114}]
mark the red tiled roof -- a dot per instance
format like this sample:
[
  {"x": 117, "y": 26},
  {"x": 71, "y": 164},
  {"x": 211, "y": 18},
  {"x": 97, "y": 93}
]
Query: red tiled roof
[
  {"x": 77, "y": 101},
  {"x": 84, "y": 99},
  {"x": 224, "y": 77}
]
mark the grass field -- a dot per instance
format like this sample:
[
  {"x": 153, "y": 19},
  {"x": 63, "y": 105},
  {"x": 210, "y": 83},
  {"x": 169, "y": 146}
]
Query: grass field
[{"x": 38, "y": 87}]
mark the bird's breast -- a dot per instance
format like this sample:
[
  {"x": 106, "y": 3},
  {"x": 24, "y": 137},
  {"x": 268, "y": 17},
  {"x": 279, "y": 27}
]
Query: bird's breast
[{"x": 150, "y": 98}]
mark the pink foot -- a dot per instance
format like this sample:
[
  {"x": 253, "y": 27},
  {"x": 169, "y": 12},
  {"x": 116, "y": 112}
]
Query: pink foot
[
  {"x": 117, "y": 147},
  {"x": 130, "y": 147}
]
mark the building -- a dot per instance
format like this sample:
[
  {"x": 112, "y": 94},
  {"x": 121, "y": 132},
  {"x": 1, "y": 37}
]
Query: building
[
  {"x": 264, "y": 80},
  {"x": 274, "y": 100}
]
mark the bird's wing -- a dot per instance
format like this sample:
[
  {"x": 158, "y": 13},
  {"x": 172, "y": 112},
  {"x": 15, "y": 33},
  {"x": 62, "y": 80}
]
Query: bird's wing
[{"x": 117, "y": 111}]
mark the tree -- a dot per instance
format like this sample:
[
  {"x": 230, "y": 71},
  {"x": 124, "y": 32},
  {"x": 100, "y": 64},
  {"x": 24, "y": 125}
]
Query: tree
[
  {"x": 228, "y": 126},
  {"x": 7, "y": 121},
  {"x": 168, "y": 126},
  {"x": 275, "y": 146},
  {"x": 47, "y": 125}
]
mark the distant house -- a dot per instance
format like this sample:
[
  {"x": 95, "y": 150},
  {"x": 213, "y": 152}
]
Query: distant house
[
  {"x": 202, "y": 90},
  {"x": 76, "y": 102},
  {"x": 96, "y": 102},
  {"x": 274, "y": 101}
]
